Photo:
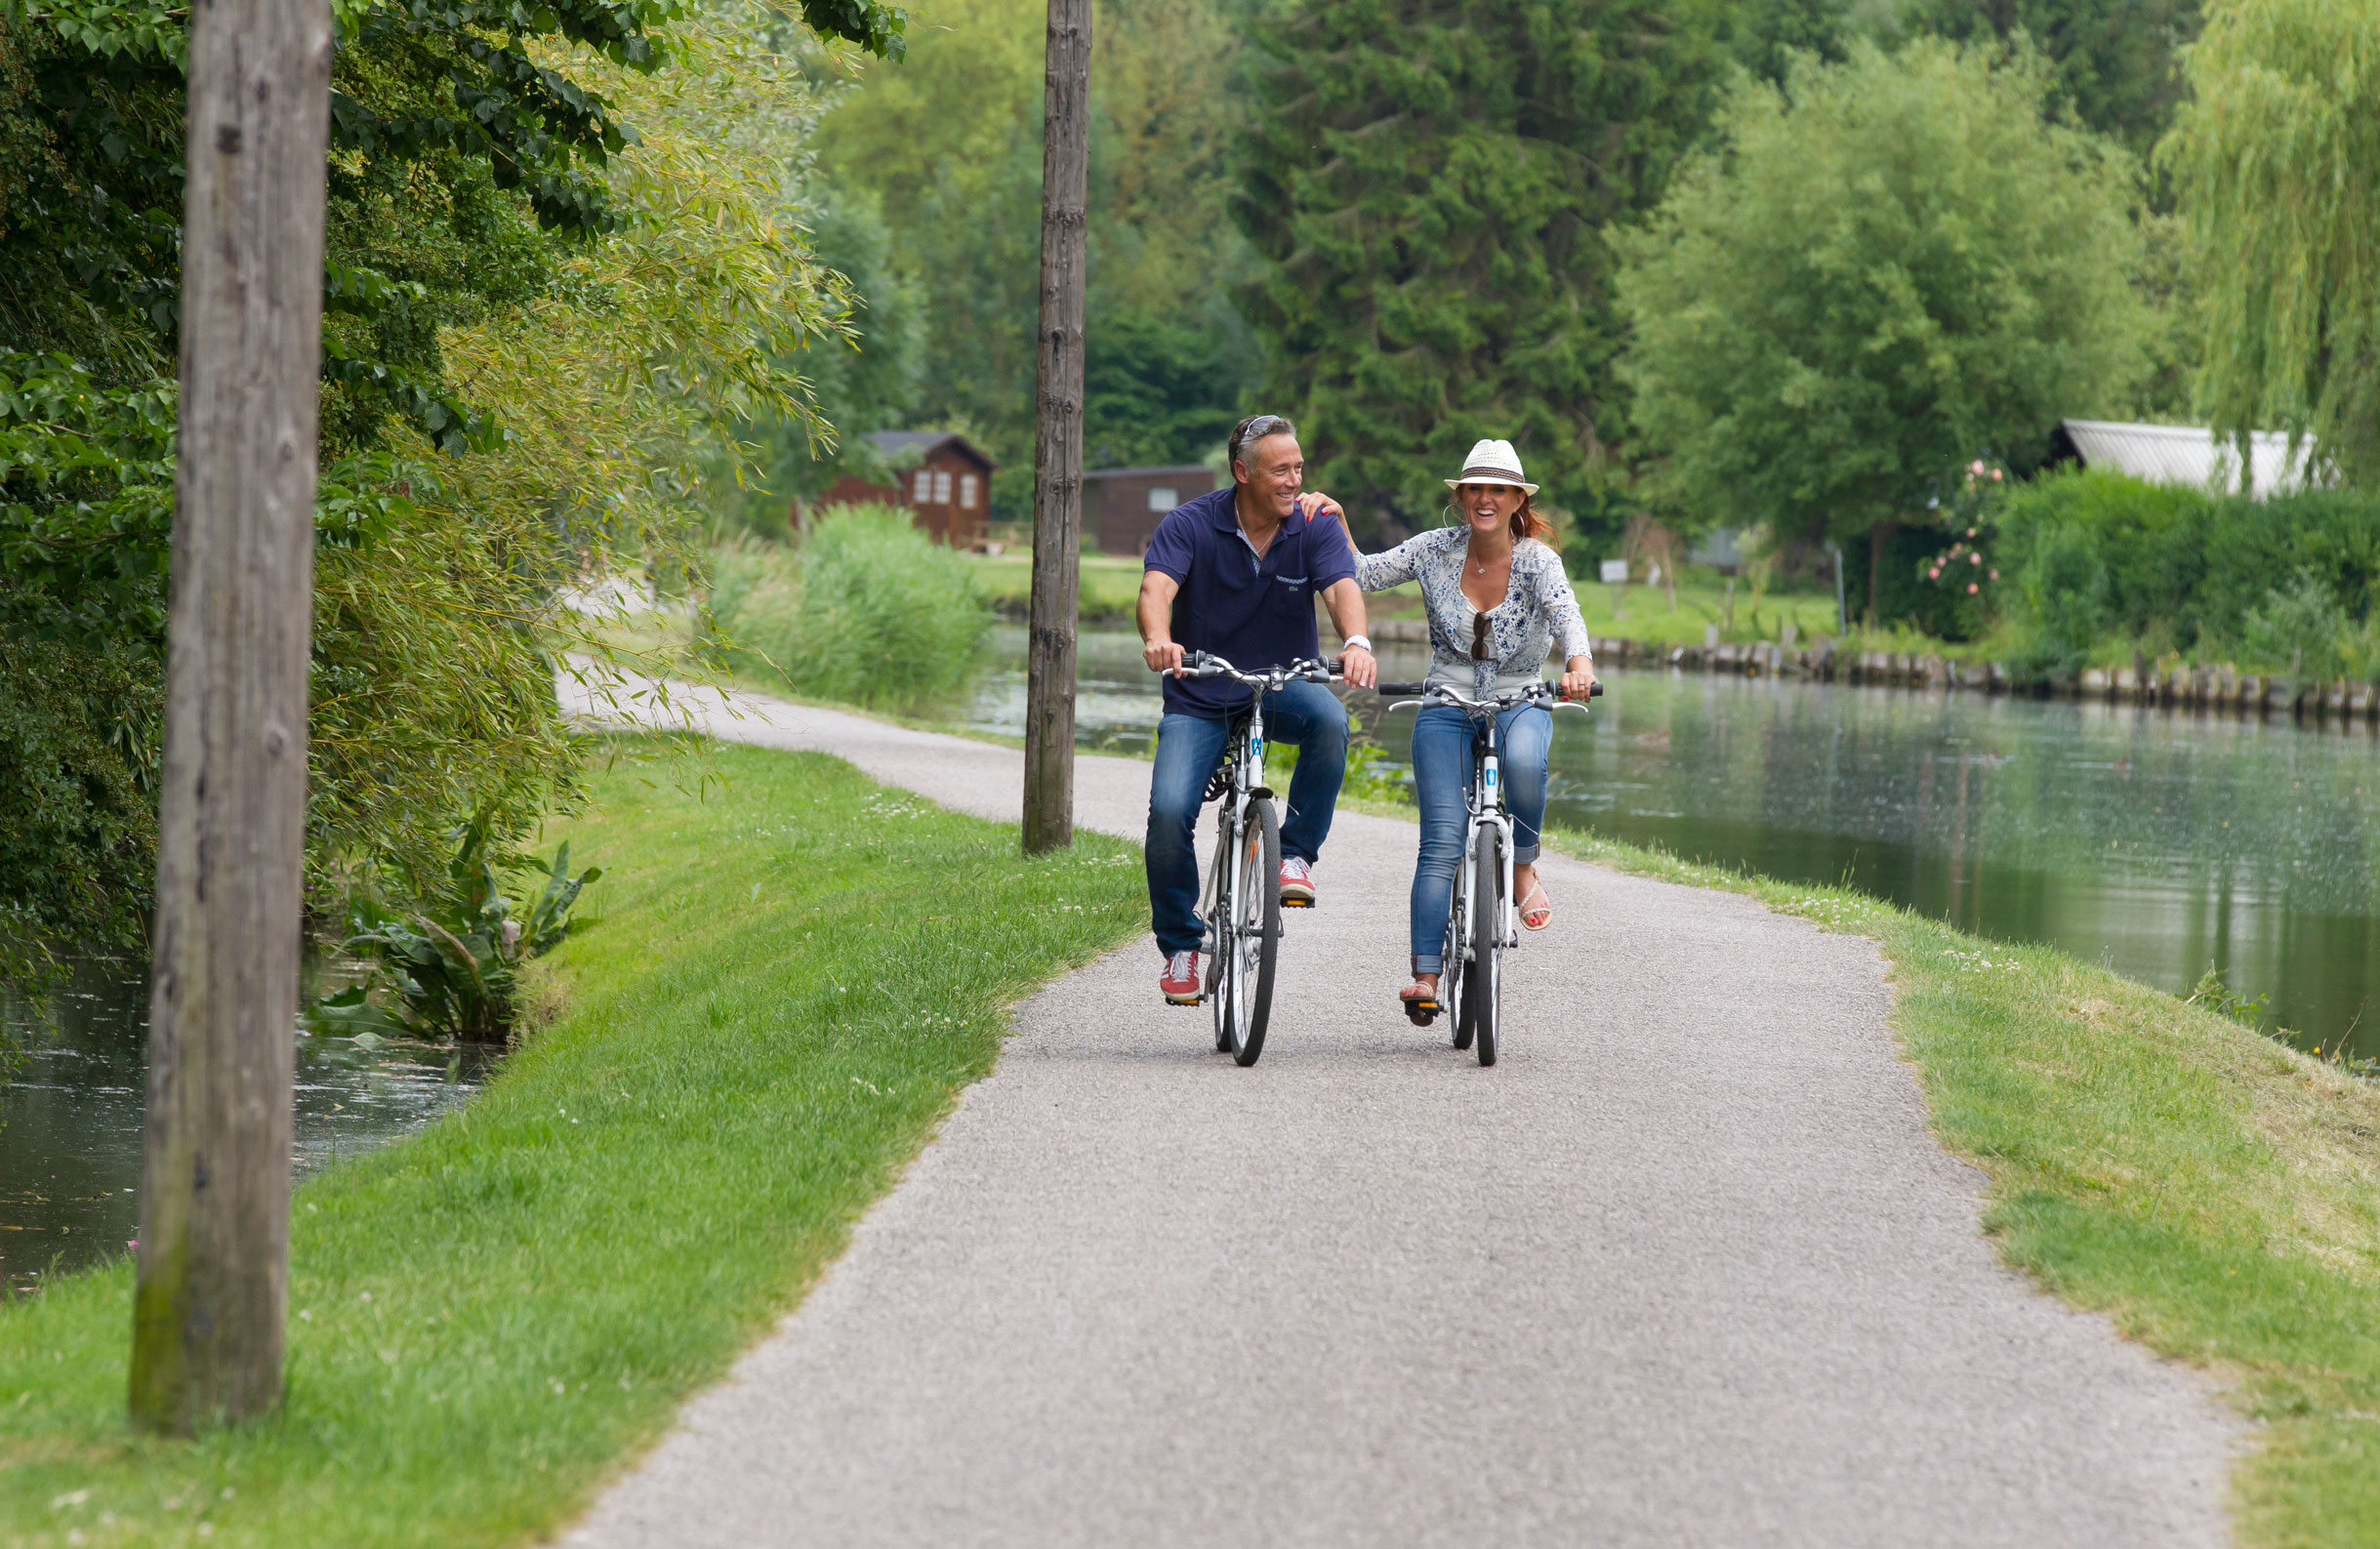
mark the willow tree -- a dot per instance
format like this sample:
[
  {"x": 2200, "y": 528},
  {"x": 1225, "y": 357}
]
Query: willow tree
[{"x": 2276, "y": 160}]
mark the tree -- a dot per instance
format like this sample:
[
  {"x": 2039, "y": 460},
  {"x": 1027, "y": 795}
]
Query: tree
[
  {"x": 1885, "y": 269},
  {"x": 1427, "y": 183},
  {"x": 2114, "y": 61},
  {"x": 2276, "y": 161},
  {"x": 522, "y": 378},
  {"x": 950, "y": 144}
]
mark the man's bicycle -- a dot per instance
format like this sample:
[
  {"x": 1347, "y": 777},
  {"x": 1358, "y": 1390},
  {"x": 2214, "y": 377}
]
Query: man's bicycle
[
  {"x": 1481, "y": 918},
  {"x": 1243, "y": 903}
]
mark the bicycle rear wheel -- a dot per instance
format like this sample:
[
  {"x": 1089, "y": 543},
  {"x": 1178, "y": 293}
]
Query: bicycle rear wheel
[
  {"x": 1257, "y": 929},
  {"x": 1484, "y": 980}
]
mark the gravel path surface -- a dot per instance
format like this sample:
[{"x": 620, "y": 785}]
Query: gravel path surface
[{"x": 1685, "y": 1268}]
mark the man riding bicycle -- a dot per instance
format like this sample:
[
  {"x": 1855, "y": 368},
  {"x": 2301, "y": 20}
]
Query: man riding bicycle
[{"x": 1236, "y": 573}]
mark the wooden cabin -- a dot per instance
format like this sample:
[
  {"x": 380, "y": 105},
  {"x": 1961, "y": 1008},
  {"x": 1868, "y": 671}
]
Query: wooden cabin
[
  {"x": 942, "y": 478},
  {"x": 1124, "y": 504}
]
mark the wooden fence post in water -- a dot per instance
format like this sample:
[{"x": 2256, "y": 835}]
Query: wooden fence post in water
[
  {"x": 1057, "y": 442},
  {"x": 214, "y": 1250}
]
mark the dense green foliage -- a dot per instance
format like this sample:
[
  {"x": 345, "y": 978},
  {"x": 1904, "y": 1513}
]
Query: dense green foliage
[
  {"x": 562, "y": 260},
  {"x": 1429, "y": 185},
  {"x": 2283, "y": 585},
  {"x": 757, "y": 1040},
  {"x": 448, "y": 966},
  {"x": 1889, "y": 267},
  {"x": 2112, "y": 61},
  {"x": 870, "y": 611},
  {"x": 2278, "y": 162}
]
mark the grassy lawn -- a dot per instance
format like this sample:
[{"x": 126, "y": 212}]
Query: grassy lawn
[
  {"x": 489, "y": 1316},
  {"x": 1107, "y": 587},
  {"x": 2212, "y": 1191}
]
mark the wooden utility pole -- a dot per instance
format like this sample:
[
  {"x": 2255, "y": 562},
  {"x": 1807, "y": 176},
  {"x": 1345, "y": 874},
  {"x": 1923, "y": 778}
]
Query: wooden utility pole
[
  {"x": 1057, "y": 442},
  {"x": 214, "y": 1255}
]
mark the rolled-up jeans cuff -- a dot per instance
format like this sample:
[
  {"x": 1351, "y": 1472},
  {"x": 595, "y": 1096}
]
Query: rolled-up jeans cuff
[
  {"x": 1524, "y": 854},
  {"x": 1430, "y": 965}
]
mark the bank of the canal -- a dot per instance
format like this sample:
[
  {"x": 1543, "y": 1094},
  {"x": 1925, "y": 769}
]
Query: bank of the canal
[
  {"x": 486, "y": 1316},
  {"x": 2160, "y": 844}
]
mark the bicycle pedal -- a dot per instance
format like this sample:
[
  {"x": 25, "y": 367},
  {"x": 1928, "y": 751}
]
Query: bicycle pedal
[{"x": 1297, "y": 903}]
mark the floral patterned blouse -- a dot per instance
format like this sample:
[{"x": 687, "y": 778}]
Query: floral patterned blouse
[{"x": 1539, "y": 613}]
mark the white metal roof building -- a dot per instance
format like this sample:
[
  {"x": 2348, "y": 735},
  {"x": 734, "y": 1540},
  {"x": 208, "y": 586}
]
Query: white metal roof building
[{"x": 2189, "y": 454}]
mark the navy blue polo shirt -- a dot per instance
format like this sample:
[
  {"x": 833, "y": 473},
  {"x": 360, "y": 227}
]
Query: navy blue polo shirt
[{"x": 1254, "y": 613}]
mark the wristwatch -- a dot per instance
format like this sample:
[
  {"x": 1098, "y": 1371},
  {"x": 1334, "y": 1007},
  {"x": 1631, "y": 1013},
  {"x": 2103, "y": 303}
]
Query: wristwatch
[{"x": 1357, "y": 643}]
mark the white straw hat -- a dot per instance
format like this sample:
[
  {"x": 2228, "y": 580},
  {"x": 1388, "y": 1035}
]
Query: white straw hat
[{"x": 1493, "y": 463}]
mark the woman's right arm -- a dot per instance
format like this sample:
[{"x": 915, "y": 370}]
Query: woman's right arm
[{"x": 1392, "y": 568}]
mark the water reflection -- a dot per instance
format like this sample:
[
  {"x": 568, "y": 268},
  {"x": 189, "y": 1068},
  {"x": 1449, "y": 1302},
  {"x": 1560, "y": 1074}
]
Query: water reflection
[
  {"x": 70, "y": 1120},
  {"x": 2158, "y": 844}
]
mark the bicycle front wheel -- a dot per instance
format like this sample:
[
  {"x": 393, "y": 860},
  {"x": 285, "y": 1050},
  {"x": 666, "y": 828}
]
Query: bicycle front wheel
[
  {"x": 1484, "y": 981},
  {"x": 1221, "y": 920},
  {"x": 1256, "y": 930},
  {"x": 1453, "y": 984}
]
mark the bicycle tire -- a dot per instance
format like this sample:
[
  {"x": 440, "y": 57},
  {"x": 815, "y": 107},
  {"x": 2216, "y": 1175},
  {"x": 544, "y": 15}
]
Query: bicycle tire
[
  {"x": 1455, "y": 985},
  {"x": 1257, "y": 930},
  {"x": 1220, "y": 923},
  {"x": 1487, "y": 939}
]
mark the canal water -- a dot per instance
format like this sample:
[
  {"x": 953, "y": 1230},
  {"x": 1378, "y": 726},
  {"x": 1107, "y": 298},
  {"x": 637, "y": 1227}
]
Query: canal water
[
  {"x": 2158, "y": 844},
  {"x": 70, "y": 1118}
]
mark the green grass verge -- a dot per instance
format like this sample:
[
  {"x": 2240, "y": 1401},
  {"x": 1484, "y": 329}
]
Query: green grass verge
[
  {"x": 792, "y": 980},
  {"x": 1107, "y": 585},
  {"x": 2214, "y": 1192}
]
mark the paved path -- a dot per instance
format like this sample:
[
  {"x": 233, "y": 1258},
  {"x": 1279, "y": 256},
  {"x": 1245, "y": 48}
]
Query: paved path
[{"x": 1685, "y": 1268}]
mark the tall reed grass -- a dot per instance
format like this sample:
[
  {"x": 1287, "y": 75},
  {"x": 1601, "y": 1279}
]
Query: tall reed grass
[{"x": 868, "y": 610}]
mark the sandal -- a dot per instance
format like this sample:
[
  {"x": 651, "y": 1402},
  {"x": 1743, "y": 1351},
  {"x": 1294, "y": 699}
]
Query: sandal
[
  {"x": 1420, "y": 1004},
  {"x": 1543, "y": 911}
]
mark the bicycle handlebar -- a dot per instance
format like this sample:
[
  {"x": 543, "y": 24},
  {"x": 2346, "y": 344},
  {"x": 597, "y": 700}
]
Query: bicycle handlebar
[
  {"x": 1202, "y": 664},
  {"x": 1504, "y": 701}
]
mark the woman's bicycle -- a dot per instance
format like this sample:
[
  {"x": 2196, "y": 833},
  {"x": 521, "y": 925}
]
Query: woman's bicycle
[
  {"x": 1243, "y": 903},
  {"x": 1481, "y": 918}
]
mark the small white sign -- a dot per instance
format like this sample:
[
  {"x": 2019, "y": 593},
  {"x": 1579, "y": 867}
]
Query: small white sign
[
  {"x": 1614, "y": 572},
  {"x": 1163, "y": 499}
]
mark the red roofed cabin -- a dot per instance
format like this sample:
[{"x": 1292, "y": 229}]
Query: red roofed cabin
[{"x": 944, "y": 479}]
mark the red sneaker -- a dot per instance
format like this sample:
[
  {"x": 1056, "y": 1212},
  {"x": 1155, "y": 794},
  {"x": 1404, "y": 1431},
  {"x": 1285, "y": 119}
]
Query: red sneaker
[
  {"x": 1179, "y": 981},
  {"x": 1297, "y": 884}
]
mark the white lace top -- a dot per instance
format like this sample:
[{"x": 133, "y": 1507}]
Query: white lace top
[{"x": 1539, "y": 613}]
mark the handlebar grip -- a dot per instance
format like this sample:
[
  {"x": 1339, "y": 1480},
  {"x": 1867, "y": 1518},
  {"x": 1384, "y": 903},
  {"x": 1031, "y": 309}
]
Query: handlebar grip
[
  {"x": 1595, "y": 691},
  {"x": 1391, "y": 690}
]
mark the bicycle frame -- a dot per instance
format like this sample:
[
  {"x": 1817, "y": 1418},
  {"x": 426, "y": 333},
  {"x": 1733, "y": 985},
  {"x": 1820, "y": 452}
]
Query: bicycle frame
[
  {"x": 1245, "y": 928},
  {"x": 1483, "y": 798},
  {"x": 1243, "y": 757}
]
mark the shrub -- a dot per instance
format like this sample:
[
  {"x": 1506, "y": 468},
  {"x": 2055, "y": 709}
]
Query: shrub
[
  {"x": 448, "y": 967},
  {"x": 870, "y": 611},
  {"x": 2284, "y": 584}
]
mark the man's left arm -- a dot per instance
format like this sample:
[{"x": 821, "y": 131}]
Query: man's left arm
[{"x": 1345, "y": 602}]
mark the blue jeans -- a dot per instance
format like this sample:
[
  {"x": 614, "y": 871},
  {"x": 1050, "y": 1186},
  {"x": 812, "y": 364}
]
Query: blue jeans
[
  {"x": 1188, "y": 747},
  {"x": 1443, "y": 740}
]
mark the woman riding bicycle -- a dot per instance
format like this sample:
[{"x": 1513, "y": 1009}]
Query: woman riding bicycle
[{"x": 1499, "y": 601}]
